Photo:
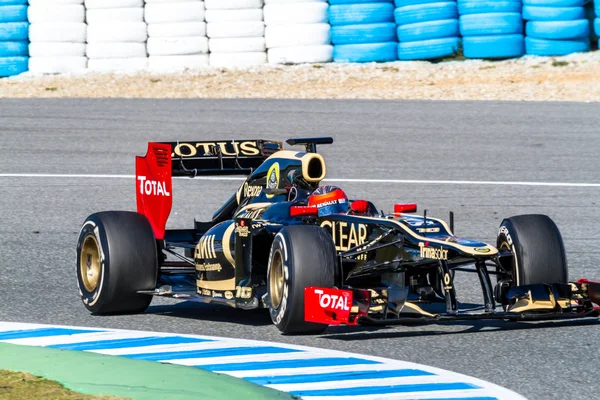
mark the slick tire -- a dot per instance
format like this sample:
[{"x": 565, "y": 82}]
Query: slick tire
[
  {"x": 537, "y": 245},
  {"x": 116, "y": 256},
  {"x": 301, "y": 256}
]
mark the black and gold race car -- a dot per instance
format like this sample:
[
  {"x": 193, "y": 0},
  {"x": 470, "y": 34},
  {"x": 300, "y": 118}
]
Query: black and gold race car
[{"x": 267, "y": 247}]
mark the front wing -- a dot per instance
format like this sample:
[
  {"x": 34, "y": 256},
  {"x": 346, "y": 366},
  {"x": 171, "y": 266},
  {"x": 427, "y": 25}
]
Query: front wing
[{"x": 389, "y": 306}]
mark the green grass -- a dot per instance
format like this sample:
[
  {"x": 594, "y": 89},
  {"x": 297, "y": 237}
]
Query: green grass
[{"x": 18, "y": 386}]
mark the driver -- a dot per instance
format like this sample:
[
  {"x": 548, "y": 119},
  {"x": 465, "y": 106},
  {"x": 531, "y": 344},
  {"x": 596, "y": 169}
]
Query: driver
[{"x": 331, "y": 199}]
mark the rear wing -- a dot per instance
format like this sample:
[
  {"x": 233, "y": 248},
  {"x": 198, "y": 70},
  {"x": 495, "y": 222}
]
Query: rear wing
[
  {"x": 223, "y": 157},
  {"x": 163, "y": 160}
]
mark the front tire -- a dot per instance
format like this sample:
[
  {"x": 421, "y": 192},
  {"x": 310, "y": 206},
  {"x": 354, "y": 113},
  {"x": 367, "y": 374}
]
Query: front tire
[
  {"x": 116, "y": 257},
  {"x": 301, "y": 256},
  {"x": 538, "y": 249}
]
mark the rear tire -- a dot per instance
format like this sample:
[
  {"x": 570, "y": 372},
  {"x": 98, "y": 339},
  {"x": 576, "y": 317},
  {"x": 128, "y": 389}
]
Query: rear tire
[
  {"x": 301, "y": 256},
  {"x": 537, "y": 245},
  {"x": 116, "y": 257}
]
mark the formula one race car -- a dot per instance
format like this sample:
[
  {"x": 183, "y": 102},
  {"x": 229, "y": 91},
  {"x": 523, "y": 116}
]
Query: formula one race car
[{"x": 312, "y": 263}]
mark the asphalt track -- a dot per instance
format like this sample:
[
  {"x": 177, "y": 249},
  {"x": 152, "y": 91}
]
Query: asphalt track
[{"x": 473, "y": 141}]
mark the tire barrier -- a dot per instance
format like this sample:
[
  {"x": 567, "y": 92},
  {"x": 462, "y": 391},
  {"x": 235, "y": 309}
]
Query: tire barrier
[
  {"x": 555, "y": 27},
  {"x": 116, "y": 35},
  {"x": 297, "y": 31},
  {"x": 176, "y": 34},
  {"x": 61, "y": 36},
  {"x": 594, "y": 15},
  {"x": 363, "y": 31},
  {"x": 491, "y": 29},
  {"x": 236, "y": 33},
  {"x": 14, "y": 31},
  {"x": 426, "y": 29}
]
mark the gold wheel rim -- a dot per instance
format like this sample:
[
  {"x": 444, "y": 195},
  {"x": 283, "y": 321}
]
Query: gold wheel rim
[
  {"x": 89, "y": 263},
  {"x": 276, "y": 279}
]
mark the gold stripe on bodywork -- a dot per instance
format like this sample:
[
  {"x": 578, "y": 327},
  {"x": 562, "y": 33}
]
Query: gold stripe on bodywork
[
  {"x": 253, "y": 207},
  {"x": 226, "y": 243},
  {"x": 227, "y": 284},
  {"x": 464, "y": 249},
  {"x": 419, "y": 310}
]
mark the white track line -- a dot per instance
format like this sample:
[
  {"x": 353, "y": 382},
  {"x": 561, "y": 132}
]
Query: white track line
[{"x": 347, "y": 180}]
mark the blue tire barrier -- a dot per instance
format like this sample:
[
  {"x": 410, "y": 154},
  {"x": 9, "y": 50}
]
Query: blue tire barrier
[
  {"x": 361, "y": 53},
  {"x": 483, "y": 7},
  {"x": 12, "y": 2},
  {"x": 535, "y": 13},
  {"x": 554, "y": 3},
  {"x": 546, "y": 47},
  {"x": 13, "y": 13},
  {"x": 494, "y": 46},
  {"x": 557, "y": 30},
  {"x": 428, "y": 49},
  {"x": 354, "y": 14},
  {"x": 14, "y": 49},
  {"x": 428, "y": 30},
  {"x": 490, "y": 24},
  {"x": 364, "y": 33},
  {"x": 337, "y": 2},
  {"x": 12, "y": 31},
  {"x": 402, "y": 3},
  {"x": 10, "y": 66},
  {"x": 425, "y": 12},
  {"x": 589, "y": 11}
]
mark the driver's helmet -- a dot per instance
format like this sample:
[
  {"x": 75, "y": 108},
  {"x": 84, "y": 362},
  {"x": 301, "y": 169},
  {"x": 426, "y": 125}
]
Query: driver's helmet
[{"x": 329, "y": 200}]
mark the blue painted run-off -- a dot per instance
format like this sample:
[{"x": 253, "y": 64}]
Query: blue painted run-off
[{"x": 303, "y": 371}]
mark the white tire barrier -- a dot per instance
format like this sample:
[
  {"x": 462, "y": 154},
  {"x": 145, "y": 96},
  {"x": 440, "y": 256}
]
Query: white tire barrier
[
  {"x": 233, "y": 4},
  {"x": 182, "y": 11},
  {"x": 177, "y": 63},
  {"x": 236, "y": 33},
  {"x": 113, "y": 3},
  {"x": 242, "y": 15},
  {"x": 297, "y": 32},
  {"x": 235, "y": 29},
  {"x": 57, "y": 65},
  {"x": 58, "y": 32},
  {"x": 115, "y": 50},
  {"x": 303, "y": 1},
  {"x": 237, "y": 45},
  {"x": 301, "y": 54},
  {"x": 297, "y": 35},
  {"x": 176, "y": 35},
  {"x": 44, "y": 2},
  {"x": 178, "y": 46},
  {"x": 296, "y": 13},
  {"x": 177, "y": 29},
  {"x": 52, "y": 12},
  {"x": 238, "y": 60},
  {"x": 116, "y": 30},
  {"x": 107, "y": 15},
  {"x": 57, "y": 36},
  {"x": 56, "y": 49},
  {"x": 117, "y": 65}
]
